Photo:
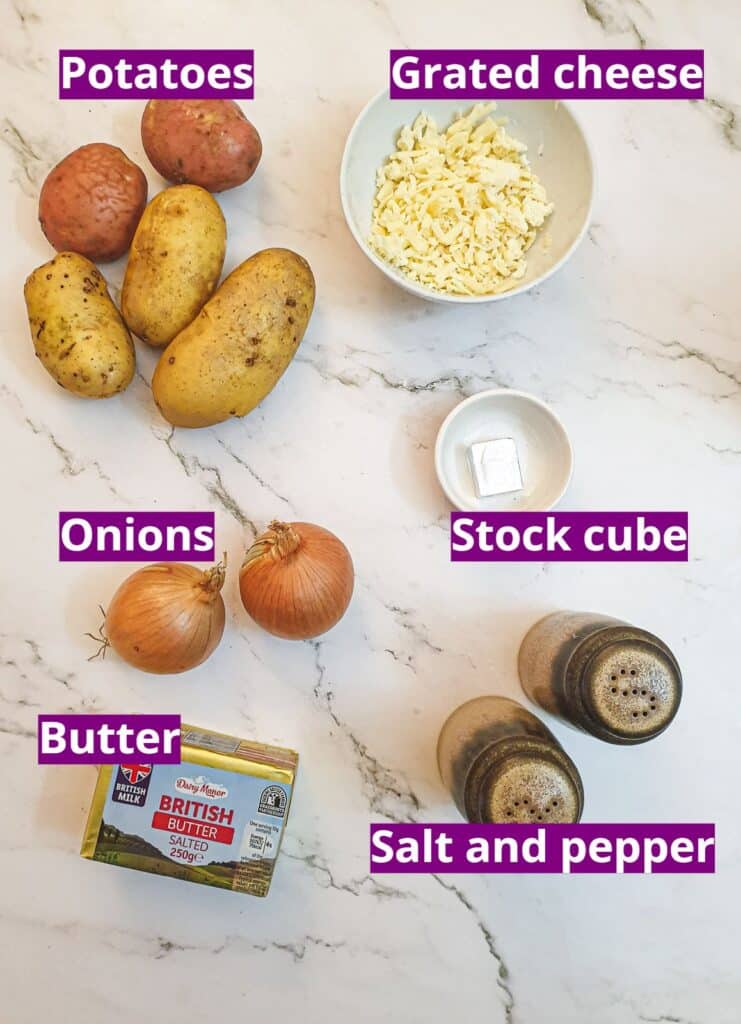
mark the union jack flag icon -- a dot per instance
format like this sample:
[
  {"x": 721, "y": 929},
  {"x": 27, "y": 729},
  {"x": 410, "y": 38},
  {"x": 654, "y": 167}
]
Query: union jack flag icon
[{"x": 136, "y": 772}]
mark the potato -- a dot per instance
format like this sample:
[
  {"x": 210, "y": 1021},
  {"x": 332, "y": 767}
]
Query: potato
[
  {"x": 91, "y": 202},
  {"x": 77, "y": 332},
  {"x": 202, "y": 142},
  {"x": 174, "y": 264},
  {"x": 234, "y": 352}
]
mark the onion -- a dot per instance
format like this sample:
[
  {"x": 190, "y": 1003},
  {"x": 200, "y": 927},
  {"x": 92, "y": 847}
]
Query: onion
[
  {"x": 167, "y": 617},
  {"x": 296, "y": 580}
]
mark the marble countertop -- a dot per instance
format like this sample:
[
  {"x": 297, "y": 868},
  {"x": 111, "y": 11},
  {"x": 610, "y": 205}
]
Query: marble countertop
[{"x": 635, "y": 344}]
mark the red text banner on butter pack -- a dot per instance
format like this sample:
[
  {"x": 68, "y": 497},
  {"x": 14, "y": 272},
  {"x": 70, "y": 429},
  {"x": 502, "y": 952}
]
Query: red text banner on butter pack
[
  {"x": 193, "y": 827},
  {"x": 569, "y": 537},
  {"x": 136, "y": 536},
  {"x": 156, "y": 74},
  {"x": 547, "y": 74},
  {"x": 543, "y": 849}
]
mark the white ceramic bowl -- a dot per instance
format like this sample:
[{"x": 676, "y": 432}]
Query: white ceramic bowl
[
  {"x": 557, "y": 150},
  {"x": 543, "y": 448}
]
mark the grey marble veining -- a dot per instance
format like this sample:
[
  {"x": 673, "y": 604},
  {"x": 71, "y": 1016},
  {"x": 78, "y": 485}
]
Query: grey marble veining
[{"x": 635, "y": 344}]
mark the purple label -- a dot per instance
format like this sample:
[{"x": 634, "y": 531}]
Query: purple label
[
  {"x": 135, "y": 742},
  {"x": 543, "y": 849},
  {"x": 156, "y": 74},
  {"x": 547, "y": 74},
  {"x": 569, "y": 537},
  {"x": 136, "y": 536}
]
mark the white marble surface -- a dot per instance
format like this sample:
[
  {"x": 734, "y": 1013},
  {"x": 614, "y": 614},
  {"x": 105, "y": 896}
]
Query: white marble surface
[{"x": 635, "y": 344}]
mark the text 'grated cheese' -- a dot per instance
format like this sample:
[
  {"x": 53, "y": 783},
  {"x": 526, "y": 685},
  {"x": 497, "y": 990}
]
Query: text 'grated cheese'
[{"x": 457, "y": 210}]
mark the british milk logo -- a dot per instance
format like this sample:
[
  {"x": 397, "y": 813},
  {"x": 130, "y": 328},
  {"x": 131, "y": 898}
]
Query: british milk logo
[
  {"x": 132, "y": 784},
  {"x": 200, "y": 786}
]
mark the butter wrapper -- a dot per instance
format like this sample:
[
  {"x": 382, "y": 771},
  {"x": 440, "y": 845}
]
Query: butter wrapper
[{"x": 216, "y": 818}]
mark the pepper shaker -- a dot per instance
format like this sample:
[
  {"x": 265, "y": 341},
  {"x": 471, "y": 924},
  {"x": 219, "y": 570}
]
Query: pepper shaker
[
  {"x": 501, "y": 764},
  {"x": 620, "y": 683}
]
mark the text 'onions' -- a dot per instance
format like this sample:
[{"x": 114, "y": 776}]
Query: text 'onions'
[
  {"x": 296, "y": 580},
  {"x": 167, "y": 617}
]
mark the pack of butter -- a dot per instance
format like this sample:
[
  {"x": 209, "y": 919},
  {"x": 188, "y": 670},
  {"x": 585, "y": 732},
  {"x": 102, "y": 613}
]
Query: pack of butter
[{"x": 216, "y": 818}]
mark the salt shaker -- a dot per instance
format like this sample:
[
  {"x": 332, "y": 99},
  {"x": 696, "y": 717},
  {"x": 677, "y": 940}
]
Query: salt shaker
[
  {"x": 602, "y": 675},
  {"x": 501, "y": 764}
]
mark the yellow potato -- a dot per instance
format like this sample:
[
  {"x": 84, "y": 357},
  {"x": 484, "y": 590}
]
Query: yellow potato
[
  {"x": 174, "y": 264},
  {"x": 77, "y": 332},
  {"x": 234, "y": 352}
]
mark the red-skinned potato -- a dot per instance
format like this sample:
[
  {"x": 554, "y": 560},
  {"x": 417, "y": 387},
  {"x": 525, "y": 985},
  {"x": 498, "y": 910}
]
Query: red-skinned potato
[
  {"x": 200, "y": 142},
  {"x": 91, "y": 202}
]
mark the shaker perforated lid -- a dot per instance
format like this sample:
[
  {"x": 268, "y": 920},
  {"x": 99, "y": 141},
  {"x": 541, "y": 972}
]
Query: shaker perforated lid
[
  {"x": 632, "y": 687},
  {"x": 531, "y": 788}
]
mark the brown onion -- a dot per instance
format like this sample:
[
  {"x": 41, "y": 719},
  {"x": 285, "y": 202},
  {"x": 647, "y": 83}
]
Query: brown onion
[
  {"x": 296, "y": 580},
  {"x": 167, "y": 617}
]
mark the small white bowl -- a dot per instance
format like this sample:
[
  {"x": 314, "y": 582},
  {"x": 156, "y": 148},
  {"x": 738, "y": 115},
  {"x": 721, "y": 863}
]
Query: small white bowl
[
  {"x": 558, "y": 152},
  {"x": 543, "y": 447}
]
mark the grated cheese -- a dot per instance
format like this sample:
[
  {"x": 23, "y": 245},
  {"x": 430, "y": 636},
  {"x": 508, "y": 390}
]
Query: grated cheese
[{"x": 456, "y": 211}]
